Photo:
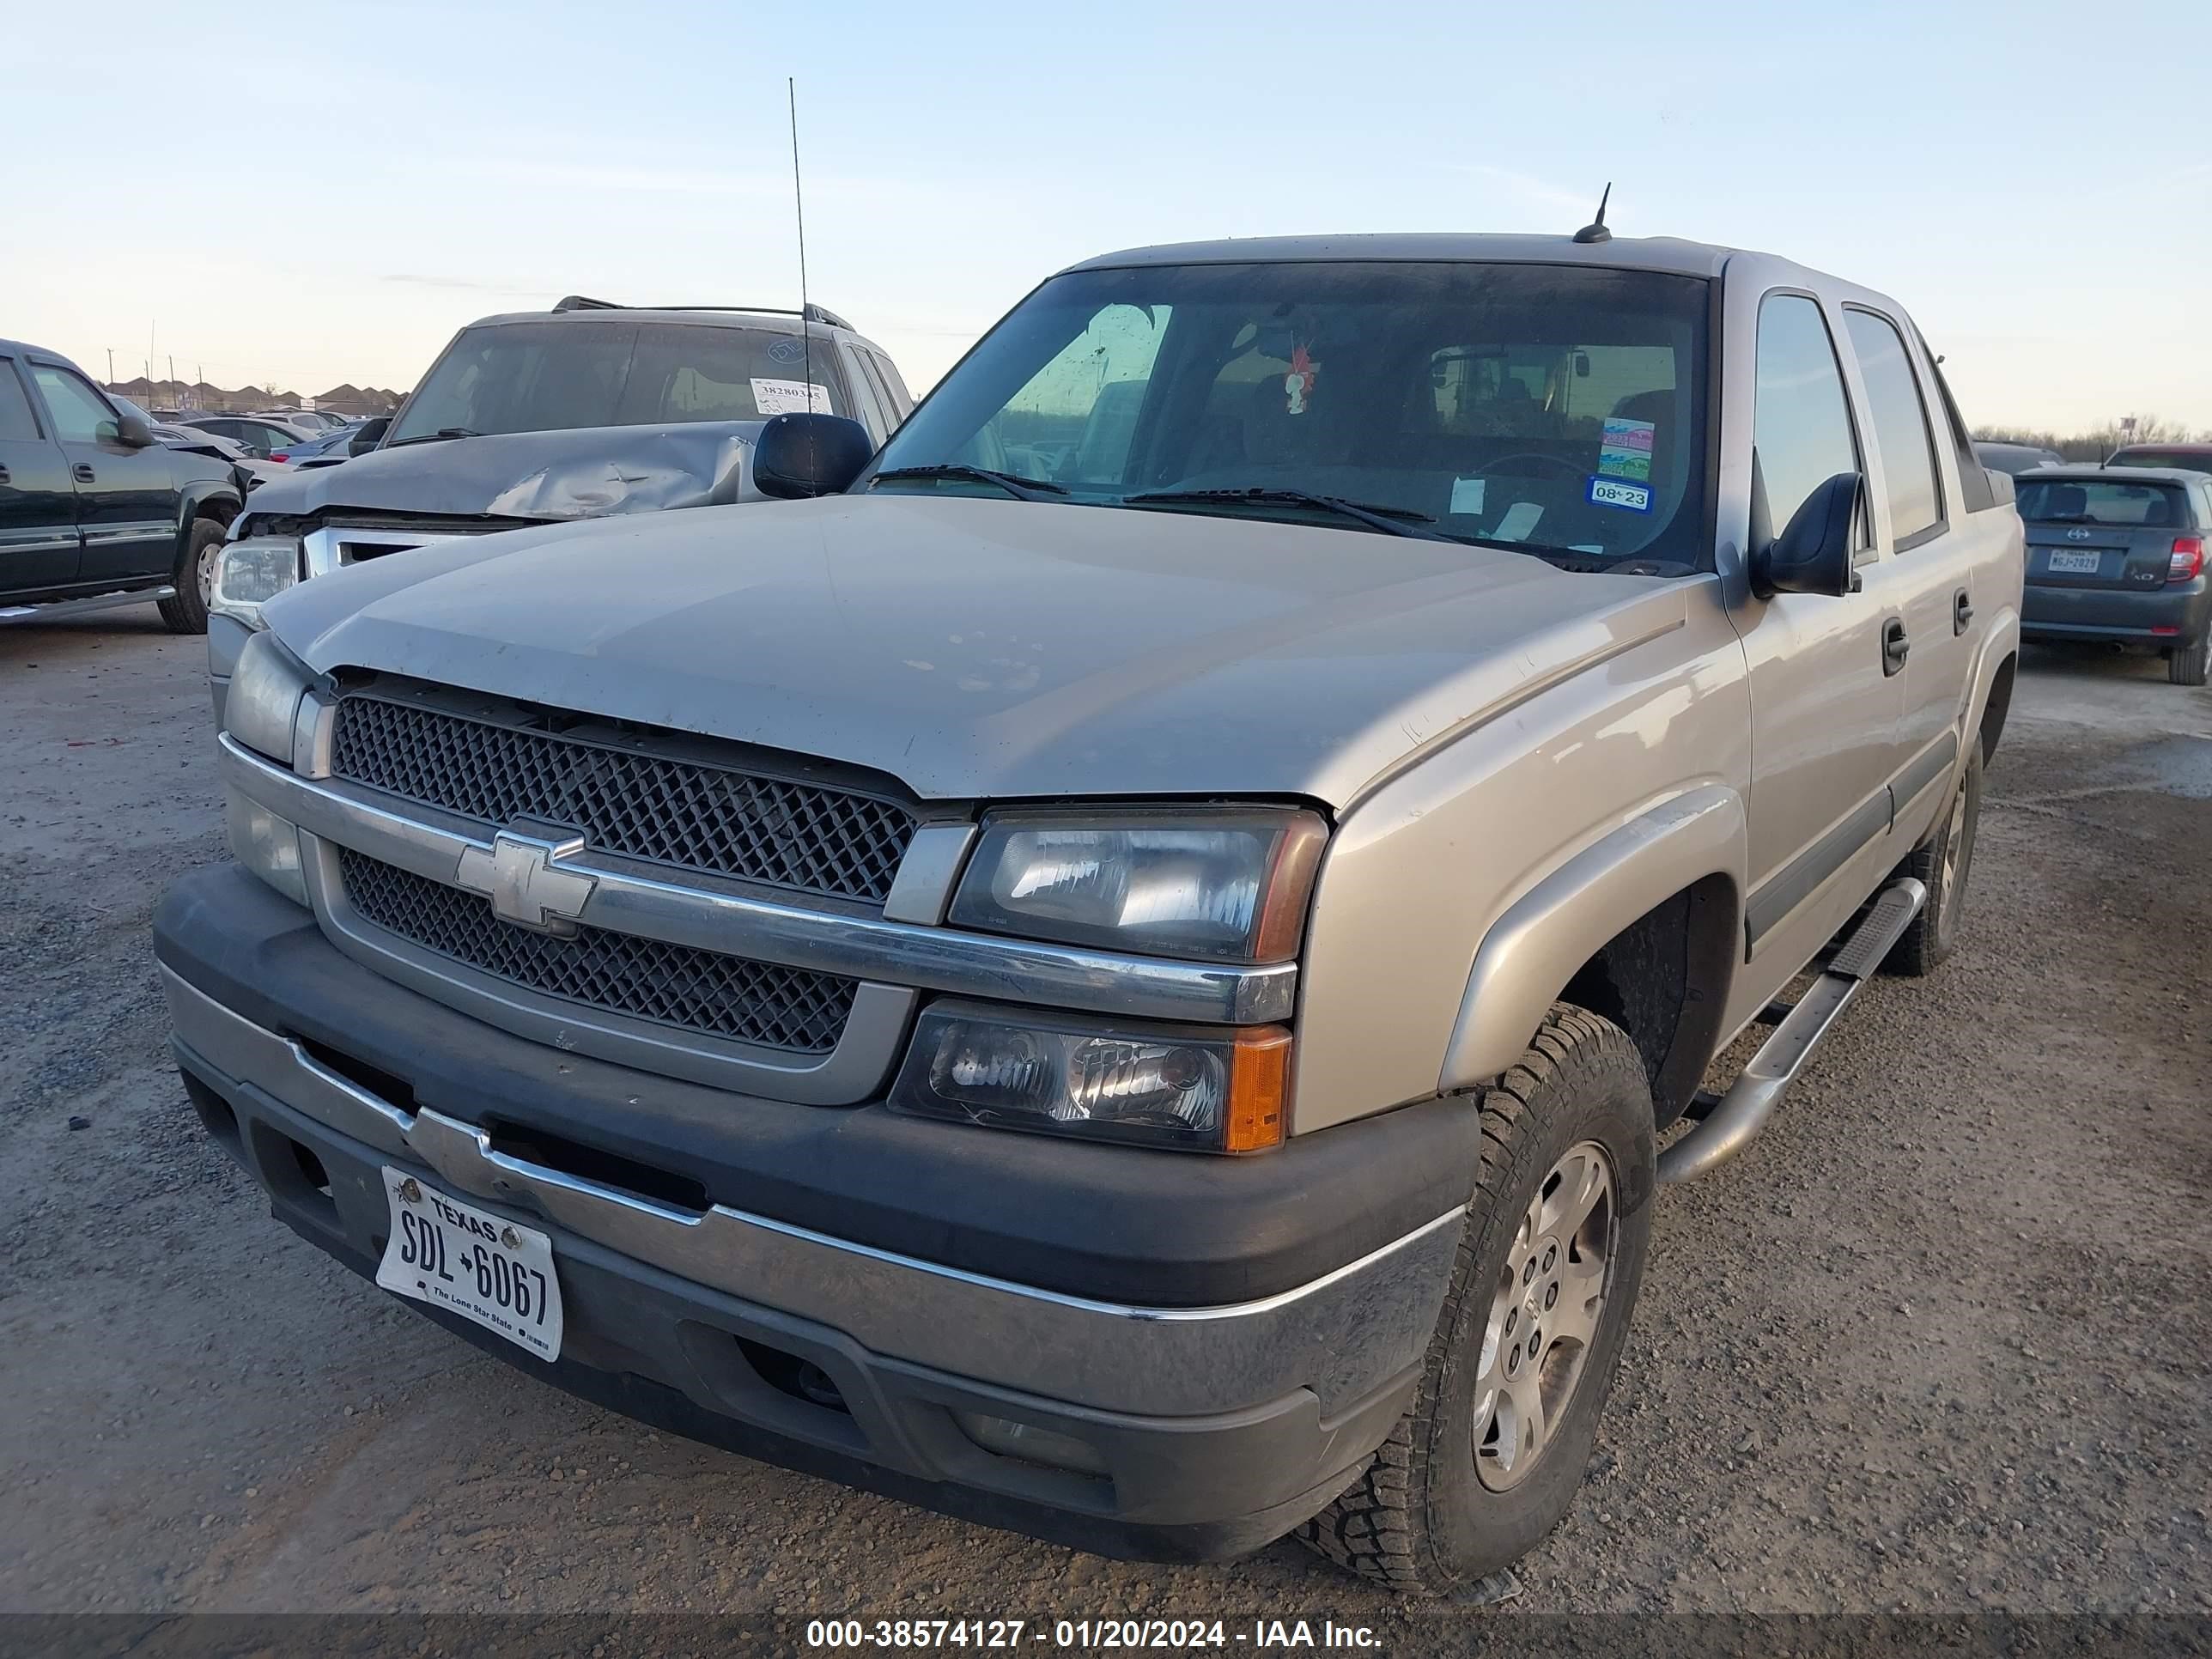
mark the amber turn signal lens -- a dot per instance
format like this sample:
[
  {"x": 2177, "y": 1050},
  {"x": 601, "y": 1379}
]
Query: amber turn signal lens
[{"x": 1258, "y": 1090}]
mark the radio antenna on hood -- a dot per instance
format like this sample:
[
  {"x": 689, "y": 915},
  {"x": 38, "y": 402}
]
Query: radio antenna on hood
[
  {"x": 1595, "y": 231},
  {"x": 799, "y": 201}
]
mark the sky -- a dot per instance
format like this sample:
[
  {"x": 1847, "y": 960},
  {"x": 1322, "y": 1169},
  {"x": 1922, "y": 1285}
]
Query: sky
[{"x": 305, "y": 195}]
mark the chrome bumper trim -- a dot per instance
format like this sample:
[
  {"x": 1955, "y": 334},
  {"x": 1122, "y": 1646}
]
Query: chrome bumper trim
[
  {"x": 628, "y": 899},
  {"x": 1340, "y": 1334}
]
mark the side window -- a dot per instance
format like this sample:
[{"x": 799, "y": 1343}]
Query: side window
[
  {"x": 1800, "y": 423},
  {"x": 892, "y": 413},
  {"x": 866, "y": 403},
  {"x": 902, "y": 399},
  {"x": 1901, "y": 437},
  {"x": 81, "y": 416},
  {"x": 1974, "y": 491},
  {"x": 16, "y": 421}
]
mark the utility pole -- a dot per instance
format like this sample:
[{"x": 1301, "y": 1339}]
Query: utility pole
[{"x": 111, "y": 365}]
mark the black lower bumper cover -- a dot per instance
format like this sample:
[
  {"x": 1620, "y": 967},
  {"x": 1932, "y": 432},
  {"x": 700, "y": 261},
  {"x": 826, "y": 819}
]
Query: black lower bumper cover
[{"x": 726, "y": 1371}]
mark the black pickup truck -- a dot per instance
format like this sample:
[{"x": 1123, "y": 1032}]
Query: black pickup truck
[{"x": 94, "y": 510}]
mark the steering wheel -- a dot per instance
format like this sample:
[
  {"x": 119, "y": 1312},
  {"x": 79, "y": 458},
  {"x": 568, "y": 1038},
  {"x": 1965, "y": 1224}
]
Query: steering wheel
[{"x": 1568, "y": 467}]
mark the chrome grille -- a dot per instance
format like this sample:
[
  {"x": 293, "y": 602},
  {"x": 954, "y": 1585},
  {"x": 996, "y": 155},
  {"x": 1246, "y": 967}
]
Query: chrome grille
[
  {"x": 685, "y": 812},
  {"x": 701, "y": 991}
]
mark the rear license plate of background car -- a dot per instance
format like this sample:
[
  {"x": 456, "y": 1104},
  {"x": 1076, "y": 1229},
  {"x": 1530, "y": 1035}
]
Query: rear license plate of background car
[
  {"x": 2064, "y": 562},
  {"x": 481, "y": 1267}
]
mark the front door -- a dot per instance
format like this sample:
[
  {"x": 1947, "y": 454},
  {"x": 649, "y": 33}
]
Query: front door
[
  {"x": 38, "y": 509},
  {"x": 1825, "y": 702},
  {"x": 127, "y": 496}
]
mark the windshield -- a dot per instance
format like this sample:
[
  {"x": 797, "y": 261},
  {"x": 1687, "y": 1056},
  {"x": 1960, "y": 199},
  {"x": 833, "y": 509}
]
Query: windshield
[
  {"x": 1559, "y": 408},
  {"x": 553, "y": 376},
  {"x": 2073, "y": 501}
]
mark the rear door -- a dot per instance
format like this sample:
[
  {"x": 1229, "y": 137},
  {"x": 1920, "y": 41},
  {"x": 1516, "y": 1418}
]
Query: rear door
[
  {"x": 127, "y": 497},
  {"x": 1933, "y": 545},
  {"x": 39, "y": 543},
  {"x": 2109, "y": 535}
]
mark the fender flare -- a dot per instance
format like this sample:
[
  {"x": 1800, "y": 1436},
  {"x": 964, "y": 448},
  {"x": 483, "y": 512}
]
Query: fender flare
[
  {"x": 200, "y": 493},
  {"x": 1534, "y": 948},
  {"x": 2002, "y": 640}
]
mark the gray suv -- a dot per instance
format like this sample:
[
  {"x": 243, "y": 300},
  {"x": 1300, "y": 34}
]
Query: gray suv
[{"x": 1133, "y": 965}]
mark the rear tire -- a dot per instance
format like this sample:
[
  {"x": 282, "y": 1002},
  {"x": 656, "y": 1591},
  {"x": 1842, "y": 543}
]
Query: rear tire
[
  {"x": 194, "y": 579},
  {"x": 1942, "y": 864},
  {"x": 1491, "y": 1456},
  {"x": 2190, "y": 665}
]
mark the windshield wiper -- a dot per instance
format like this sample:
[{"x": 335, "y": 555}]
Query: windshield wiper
[
  {"x": 1391, "y": 521},
  {"x": 432, "y": 437},
  {"x": 1027, "y": 489}
]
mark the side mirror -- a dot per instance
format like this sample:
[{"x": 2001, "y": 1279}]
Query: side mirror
[
  {"x": 2001, "y": 486},
  {"x": 368, "y": 435},
  {"x": 800, "y": 455},
  {"x": 1813, "y": 554},
  {"x": 133, "y": 430}
]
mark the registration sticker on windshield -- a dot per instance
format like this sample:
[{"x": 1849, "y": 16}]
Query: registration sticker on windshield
[
  {"x": 1616, "y": 492},
  {"x": 1625, "y": 448},
  {"x": 790, "y": 396}
]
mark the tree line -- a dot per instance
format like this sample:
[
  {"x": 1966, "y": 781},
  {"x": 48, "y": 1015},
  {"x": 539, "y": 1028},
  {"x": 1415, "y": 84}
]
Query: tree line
[{"x": 2097, "y": 441}]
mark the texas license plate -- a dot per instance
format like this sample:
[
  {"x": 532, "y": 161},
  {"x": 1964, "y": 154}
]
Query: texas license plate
[
  {"x": 2065, "y": 562},
  {"x": 469, "y": 1261}
]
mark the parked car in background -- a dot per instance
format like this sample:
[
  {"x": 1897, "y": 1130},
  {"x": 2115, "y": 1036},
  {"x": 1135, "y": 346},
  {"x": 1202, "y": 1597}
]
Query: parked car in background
[
  {"x": 94, "y": 510},
  {"x": 265, "y": 437},
  {"x": 1136, "y": 1007},
  {"x": 308, "y": 419},
  {"x": 587, "y": 410},
  {"x": 325, "y": 448},
  {"x": 2189, "y": 457},
  {"x": 2015, "y": 459},
  {"x": 2116, "y": 555}
]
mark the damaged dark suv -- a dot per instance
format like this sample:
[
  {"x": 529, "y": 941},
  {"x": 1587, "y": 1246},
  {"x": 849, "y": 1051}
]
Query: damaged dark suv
[{"x": 535, "y": 417}]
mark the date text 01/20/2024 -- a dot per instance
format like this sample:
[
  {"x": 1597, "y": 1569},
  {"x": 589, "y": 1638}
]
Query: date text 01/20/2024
[{"x": 1165, "y": 1634}]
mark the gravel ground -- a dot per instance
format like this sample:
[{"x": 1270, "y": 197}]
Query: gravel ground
[{"x": 1938, "y": 1344}]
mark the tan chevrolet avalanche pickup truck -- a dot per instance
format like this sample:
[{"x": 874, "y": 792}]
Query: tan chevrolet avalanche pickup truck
[{"x": 1120, "y": 966}]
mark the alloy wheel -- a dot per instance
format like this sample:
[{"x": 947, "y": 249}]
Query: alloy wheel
[{"x": 1544, "y": 1314}]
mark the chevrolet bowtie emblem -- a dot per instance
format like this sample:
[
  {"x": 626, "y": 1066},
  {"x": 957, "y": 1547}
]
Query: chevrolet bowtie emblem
[{"x": 518, "y": 874}]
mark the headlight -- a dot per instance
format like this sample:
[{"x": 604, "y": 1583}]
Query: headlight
[
  {"x": 265, "y": 844},
  {"x": 266, "y": 688},
  {"x": 1229, "y": 884},
  {"x": 1208, "y": 1090},
  {"x": 253, "y": 571}
]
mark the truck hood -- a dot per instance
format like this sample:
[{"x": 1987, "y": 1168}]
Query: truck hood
[
  {"x": 582, "y": 473},
  {"x": 978, "y": 647}
]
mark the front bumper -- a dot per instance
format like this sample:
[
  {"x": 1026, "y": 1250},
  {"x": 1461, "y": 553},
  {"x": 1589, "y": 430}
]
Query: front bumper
[
  {"x": 2100, "y": 614},
  {"x": 1215, "y": 1426}
]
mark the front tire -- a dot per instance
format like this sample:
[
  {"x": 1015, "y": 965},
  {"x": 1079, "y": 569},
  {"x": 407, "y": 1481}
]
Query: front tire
[
  {"x": 1490, "y": 1457},
  {"x": 194, "y": 579}
]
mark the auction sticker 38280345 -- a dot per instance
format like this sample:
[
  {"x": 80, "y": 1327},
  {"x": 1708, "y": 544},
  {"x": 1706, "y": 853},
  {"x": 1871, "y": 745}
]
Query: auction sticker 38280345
[{"x": 469, "y": 1261}]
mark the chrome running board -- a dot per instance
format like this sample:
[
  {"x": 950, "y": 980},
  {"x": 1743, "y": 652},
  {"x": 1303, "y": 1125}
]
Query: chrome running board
[
  {"x": 1736, "y": 1121},
  {"x": 60, "y": 608}
]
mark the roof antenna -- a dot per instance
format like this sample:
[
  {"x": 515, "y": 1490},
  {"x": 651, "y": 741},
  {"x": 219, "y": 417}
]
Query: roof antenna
[
  {"x": 799, "y": 199},
  {"x": 1595, "y": 231}
]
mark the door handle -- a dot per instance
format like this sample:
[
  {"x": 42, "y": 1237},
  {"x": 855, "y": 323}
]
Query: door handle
[
  {"x": 1894, "y": 647},
  {"x": 81, "y": 472},
  {"x": 1962, "y": 611}
]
